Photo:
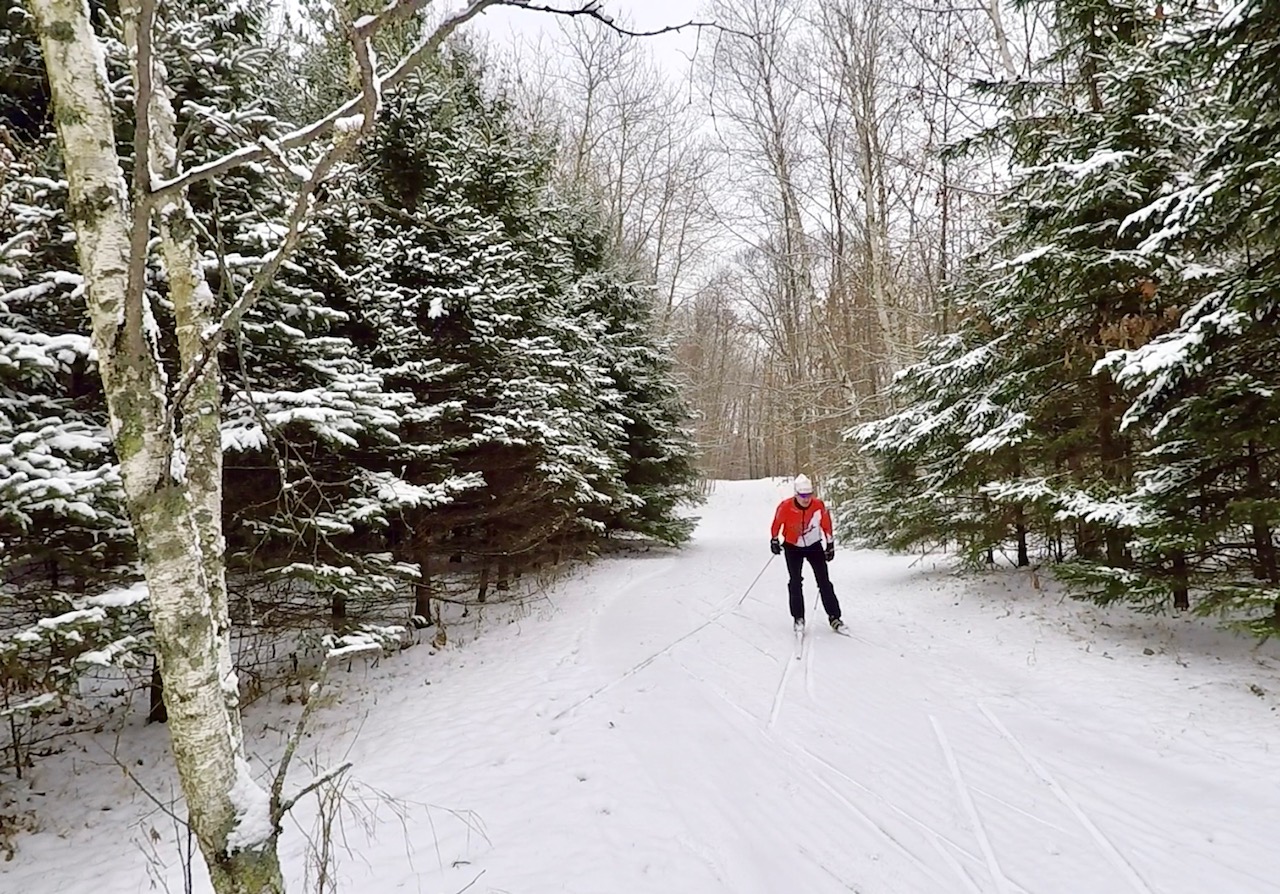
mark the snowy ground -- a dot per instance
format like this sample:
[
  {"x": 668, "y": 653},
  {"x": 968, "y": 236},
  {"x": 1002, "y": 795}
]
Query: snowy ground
[{"x": 647, "y": 730}]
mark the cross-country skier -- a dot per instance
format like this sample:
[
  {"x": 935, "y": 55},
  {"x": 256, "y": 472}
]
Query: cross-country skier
[{"x": 805, "y": 524}]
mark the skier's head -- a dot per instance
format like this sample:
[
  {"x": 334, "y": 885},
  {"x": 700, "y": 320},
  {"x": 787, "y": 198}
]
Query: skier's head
[{"x": 803, "y": 488}]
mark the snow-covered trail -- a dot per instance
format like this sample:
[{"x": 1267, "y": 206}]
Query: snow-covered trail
[
  {"x": 656, "y": 734},
  {"x": 647, "y": 729}
]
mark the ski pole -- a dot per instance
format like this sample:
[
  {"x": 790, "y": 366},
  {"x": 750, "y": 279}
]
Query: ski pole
[{"x": 743, "y": 597}]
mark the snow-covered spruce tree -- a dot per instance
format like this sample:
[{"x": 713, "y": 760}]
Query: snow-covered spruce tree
[
  {"x": 65, "y": 537},
  {"x": 916, "y": 478},
  {"x": 1206, "y": 499},
  {"x": 63, "y": 520},
  {"x": 305, "y": 518},
  {"x": 533, "y": 361},
  {"x": 462, "y": 296},
  {"x": 1070, "y": 277},
  {"x": 655, "y": 452}
]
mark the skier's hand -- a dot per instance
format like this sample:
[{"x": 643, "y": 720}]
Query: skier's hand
[
  {"x": 774, "y": 546},
  {"x": 830, "y": 552}
]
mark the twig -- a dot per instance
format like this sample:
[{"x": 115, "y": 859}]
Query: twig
[
  {"x": 164, "y": 808},
  {"x": 295, "y": 738},
  {"x": 315, "y": 784},
  {"x": 473, "y": 881},
  {"x": 593, "y": 9}
]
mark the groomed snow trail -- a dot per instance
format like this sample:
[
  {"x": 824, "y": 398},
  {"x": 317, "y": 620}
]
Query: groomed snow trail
[
  {"x": 655, "y": 734},
  {"x": 649, "y": 730}
]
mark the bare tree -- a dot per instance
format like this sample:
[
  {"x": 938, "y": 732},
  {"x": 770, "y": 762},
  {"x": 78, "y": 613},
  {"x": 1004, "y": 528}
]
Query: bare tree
[
  {"x": 833, "y": 124},
  {"x": 631, "y": 136}
]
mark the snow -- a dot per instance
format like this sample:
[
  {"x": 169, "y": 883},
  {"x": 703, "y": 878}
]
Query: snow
[
  {"x": 1078, "y": 170},
  {"x": 37, "y": 703},
  {"x": 350, "y": 124},
  {"x": 645, "y": 728},
  {"x": 121, "y": 597},
  {"x": 253, "y": 811}
]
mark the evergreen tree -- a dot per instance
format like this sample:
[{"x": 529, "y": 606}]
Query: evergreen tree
[
  {"x": 1206, "y": 503},
  {"x": 1014, "y": 434},
  {"x": 65, "y": 537}
]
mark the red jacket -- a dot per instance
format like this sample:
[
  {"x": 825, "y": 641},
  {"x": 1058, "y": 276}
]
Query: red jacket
[{"x": 802, "y": 527}]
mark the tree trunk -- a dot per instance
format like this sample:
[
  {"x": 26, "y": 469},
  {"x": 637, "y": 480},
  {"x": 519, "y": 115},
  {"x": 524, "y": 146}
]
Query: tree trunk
[
  {"x": 156, "y": 712},
  {"x": 1020, "y": 519},
  {"x": 1112, "y": 454},
  {"x": 1181, "y": 590},
  {"x": 422, "y": 592},
  {"x": 195, "y": 312},
  {"x": 111, "y": 246},
  {"x": 1263, "y": 543}
]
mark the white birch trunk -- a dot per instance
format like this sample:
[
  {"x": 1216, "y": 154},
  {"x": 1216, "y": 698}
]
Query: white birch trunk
[
  {"x": 205, "y": 740},
  {"x": 195, "y": 311}
]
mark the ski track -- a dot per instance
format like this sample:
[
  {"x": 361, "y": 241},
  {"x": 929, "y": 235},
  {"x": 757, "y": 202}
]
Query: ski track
[
  {"x": 1108, "y": 847},
  {"x": 779, "y": 695},
  {"x": 808, "y": 670},
  {"x": 846, "y": 885},
  {"x": 966, "y": 798},
  {"x": 895, "y": 808},
  {"x": 793, "y": 750},
  {"x": 723, "y": 609}
]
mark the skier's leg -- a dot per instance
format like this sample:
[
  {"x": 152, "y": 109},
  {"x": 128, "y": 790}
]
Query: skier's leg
[
  {"x": 795, "y": 583},
  {"x": 830, "y": 604}
]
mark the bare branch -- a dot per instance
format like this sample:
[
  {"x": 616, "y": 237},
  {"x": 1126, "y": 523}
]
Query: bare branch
[
  {"x": 593, "y": 9},
  {"x": 337, "y": 771},
  {"x": 278, "y": 807},
  {"x": 371, "y": 93},
  {"x": 293, "y": 234}
]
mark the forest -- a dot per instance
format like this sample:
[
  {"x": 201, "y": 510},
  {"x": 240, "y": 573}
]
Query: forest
[{"x": 320, "y": 327}]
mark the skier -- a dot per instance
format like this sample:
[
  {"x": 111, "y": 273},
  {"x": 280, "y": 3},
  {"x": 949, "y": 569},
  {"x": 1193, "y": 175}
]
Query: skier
[{"x": 803, "y": 521}]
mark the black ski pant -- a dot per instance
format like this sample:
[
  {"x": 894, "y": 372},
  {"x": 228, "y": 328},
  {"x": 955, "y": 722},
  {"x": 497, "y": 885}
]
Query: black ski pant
[{"x": 795, "y": 556}]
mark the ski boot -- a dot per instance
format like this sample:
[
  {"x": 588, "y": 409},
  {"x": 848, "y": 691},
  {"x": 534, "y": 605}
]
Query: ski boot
[{"x": 837, "y": 625}]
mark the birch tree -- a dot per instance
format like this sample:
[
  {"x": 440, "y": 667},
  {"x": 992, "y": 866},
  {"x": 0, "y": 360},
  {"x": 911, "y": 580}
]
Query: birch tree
[{"x": 166, "y": 429}]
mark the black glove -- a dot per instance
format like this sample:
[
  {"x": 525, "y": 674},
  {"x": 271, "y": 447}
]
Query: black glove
[
  {"x": 774, "y": 546},
  {"x": 830, "y": 552}
]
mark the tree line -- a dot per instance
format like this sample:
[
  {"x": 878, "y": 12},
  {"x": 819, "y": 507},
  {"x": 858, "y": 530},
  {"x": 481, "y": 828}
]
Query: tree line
[
  {"x": 455, "y": 379},
  {"x": 1108, "y": 399}
]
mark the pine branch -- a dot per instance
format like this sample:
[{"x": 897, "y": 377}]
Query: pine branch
[{"x": 293, "y": 234}]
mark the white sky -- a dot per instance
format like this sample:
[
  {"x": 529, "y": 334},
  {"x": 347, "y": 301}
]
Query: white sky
[{"x": 506, "y": 25}]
